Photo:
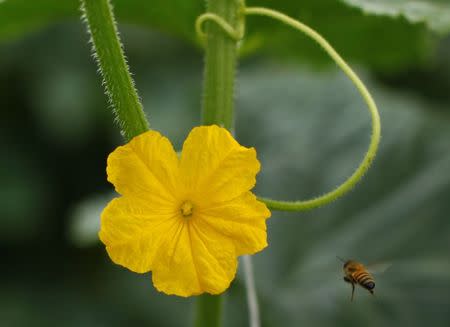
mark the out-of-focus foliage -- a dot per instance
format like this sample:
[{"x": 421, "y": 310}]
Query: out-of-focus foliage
[
  {"x": 310, "y": 130},
  {"x": 434, "y": 13},
  {"x": 397, "y": 214},
  {"x": 84, "y": 221},
  {"x": 369, "y": 39},
  {"x": 359, "y": 37},
  {"x": 22, "y": 16}
]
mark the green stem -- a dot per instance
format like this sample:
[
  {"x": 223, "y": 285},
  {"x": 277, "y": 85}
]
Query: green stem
[
  {"x": 218, "y": 105},
  {"x": 108, "y": 52},
  {"x": 220, "y": 64},
  {"x": 209, "y": 311}
]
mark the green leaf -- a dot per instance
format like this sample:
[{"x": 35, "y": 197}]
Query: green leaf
[
  {"x": 434, "y": 13},
  {"x": 382, "y": 42},
  {"x": 18, "y": 17}
]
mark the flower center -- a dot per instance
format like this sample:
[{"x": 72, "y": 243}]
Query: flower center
[{"x": 186, "y": 209}]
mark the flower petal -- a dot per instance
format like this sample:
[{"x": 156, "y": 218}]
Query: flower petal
[
  {"x": 215, "y": 167},
  {"x": 242, "y": 220},
  {"x": 146, "y": 167},
  {"x": 133, "y": 232},
  {"x": 198, "y": 264}
]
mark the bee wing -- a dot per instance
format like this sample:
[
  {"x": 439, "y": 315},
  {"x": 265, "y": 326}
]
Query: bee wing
[{"x": 378, "y": 268}]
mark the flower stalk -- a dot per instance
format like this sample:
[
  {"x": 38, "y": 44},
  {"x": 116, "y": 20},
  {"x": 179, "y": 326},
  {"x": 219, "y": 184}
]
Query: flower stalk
[
  {"x": 220, "y": 64},
  {"x": 218, "y": 107},
  {"x": 209, "y": 310},
  {"x": 108, "y": 51}
]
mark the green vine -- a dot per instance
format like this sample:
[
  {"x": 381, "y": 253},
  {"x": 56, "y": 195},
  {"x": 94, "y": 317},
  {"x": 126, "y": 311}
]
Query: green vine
[{"x": 348, "y": 184}]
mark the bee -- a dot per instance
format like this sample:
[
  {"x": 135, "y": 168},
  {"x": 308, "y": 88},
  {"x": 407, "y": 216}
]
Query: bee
[{"x": 356, "y": 273}]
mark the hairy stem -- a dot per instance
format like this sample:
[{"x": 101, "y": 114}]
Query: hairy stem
[{"x": 108, "y": 51}]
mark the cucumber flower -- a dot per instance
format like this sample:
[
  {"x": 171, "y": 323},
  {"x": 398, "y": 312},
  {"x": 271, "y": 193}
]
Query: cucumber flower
[{"x": 184, "y": 219}]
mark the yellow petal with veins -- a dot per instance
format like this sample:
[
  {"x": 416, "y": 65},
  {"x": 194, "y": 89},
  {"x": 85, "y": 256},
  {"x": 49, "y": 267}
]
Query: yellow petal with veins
[
  {"x": 242, "y": 220},
  {"x": 195, "y": 263},
  {"x": 214, "y": 167},
  {"x": 146, "y": 167},
  {"x": 133, "y": 231}
]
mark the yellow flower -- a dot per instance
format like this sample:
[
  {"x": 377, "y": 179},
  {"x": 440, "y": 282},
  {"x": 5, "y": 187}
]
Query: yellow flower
[{"x": 186, "y": 219}]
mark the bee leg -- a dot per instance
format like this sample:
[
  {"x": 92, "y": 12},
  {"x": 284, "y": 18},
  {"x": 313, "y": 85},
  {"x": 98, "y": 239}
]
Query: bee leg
[
  {"x": 347, "y": 279},
  {"x": 353, "y": 291}
]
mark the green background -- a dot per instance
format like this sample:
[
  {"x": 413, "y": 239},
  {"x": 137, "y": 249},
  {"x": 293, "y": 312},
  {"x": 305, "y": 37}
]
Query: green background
[{"x": 305, "y": 119}]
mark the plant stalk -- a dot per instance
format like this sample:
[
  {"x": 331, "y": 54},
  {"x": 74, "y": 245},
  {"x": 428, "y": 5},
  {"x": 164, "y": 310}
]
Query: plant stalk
[
  {"x": 218, "y": 108},
  {"x": 220, "y": 66},
  {"x": 108, "y": 51},
  {"x": 209, "y": 311}
]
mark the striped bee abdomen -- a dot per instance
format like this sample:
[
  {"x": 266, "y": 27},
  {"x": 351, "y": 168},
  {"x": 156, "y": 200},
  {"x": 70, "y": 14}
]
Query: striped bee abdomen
[{"x": 364, "y": 279}]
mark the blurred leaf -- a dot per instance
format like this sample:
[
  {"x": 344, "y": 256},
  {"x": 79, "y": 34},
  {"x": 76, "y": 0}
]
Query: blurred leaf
[
  {"x": 384, "y": 43},
  {"x": 24, "y": 195},
  {"x": 310, "y": 131},
  {"x": 23, "y": 16},
  {"x": 380, "y": 42},
  {"x": 82, "y": 290},
  {"x": 434, "y": 13},
  {"x": 64, "y": 117},
  {"x": 85, "y": 220},
  {"x": 175, "y": 16}
]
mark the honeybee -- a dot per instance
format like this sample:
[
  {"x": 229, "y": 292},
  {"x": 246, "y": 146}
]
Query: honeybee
[{"x": 356, "y": 273}]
